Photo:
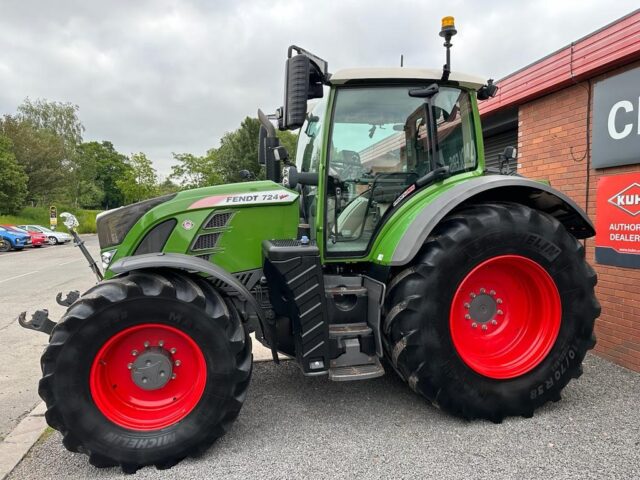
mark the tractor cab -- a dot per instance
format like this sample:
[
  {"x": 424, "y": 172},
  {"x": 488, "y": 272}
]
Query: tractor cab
[{"x": 369, "y": 139}]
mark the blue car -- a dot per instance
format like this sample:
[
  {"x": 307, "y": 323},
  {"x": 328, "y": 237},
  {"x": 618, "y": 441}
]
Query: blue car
[{"x": 12, "y": 239}]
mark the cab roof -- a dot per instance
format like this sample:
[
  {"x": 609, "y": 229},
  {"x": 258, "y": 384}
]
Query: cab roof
[{"x": 349, "y": 75}]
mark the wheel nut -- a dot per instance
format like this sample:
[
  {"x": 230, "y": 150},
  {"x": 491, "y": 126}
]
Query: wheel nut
[
  {"x": 130, "y": 366},
  {"x": 494, "y": 322},
  {"x": 161, "y": 343},
  {"x": 474, "y": 325},
  {"x": 498, "y": 301},
  {"x": 173, "y": 350},
  {"x": 492, "y": 293},
  {"x": 177, "y": 363},
  {"x": 467, "y": 317},
  {"x": 173, "y": 376},
  {"x": 134, "y": 353},
  {"x": 146, "y": 344},
  {"x": 499, "y": 312},
  {"x": 467, "y": 306},
  {"x": 484, "y": 327},
  {"x": 473, "y": 295},
  {"x": 482, "y": 290}
]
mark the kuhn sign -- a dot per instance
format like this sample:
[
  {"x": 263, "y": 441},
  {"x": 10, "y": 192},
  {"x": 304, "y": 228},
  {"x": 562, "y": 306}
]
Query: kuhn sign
[
  {"x": 618, "y": 220},
  {"x": 628, "y": 199}
]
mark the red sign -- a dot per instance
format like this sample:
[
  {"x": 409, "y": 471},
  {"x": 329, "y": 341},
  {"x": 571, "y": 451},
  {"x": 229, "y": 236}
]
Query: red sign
[{"x": 618, "y": 220}]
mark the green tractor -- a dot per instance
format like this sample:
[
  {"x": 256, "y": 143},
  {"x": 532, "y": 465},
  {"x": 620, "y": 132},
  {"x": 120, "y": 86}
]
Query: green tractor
[{"x": 387, "y": 246}]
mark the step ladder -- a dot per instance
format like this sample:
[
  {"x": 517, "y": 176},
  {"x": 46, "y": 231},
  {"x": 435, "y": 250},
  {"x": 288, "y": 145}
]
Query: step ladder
[{"x": 353, "y": 364}]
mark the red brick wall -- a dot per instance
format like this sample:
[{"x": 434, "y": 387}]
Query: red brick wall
[{"x": 552, "y": 144}]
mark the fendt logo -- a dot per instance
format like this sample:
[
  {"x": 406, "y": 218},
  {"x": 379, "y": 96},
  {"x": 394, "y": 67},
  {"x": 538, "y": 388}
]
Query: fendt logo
[{"x": 628, "y": 199}]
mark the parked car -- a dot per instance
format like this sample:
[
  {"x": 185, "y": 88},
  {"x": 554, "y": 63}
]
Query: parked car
[
  {"x": 12, "y": 239},
  {"x": 37, "y": 239},
  {"x": 53, "y": 237}
]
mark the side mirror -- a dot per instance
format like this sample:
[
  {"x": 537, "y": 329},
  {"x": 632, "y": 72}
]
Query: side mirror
[
  {"x": 305, "y": 74},
  {"x": 510, "y": 153},
  {"x": 296, "y": 91},
  {"x": 487, "y": 91}
]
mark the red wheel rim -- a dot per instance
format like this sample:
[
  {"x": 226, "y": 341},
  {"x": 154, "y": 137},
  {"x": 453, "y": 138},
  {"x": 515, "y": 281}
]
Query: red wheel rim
[
  {"x": 505, "y": 316},
  {"x": 126, "y": 403}
]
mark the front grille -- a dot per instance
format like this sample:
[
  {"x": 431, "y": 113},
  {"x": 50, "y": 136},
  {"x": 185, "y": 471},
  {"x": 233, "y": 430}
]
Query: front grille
[
  {"x": 206, "y": 241},
  {"x": 219, "y": 220}
]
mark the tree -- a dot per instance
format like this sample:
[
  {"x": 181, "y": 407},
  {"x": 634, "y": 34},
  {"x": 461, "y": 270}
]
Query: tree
[
  {"x": 108, "y": 166},
  {"x": 140, "y": 181},
  {"x": 167, "y": 186},
  {"x": 193, "y": 171},
  {"x": 239, "y": 151},
  {"x": 60, "y": 118},
  {"x": 13, "y": 180},
  {"x": 41, "y": 154}
]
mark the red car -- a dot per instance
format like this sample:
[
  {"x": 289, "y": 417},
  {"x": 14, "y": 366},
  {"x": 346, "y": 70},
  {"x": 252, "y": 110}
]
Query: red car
[{"x": 37, "y": 239}]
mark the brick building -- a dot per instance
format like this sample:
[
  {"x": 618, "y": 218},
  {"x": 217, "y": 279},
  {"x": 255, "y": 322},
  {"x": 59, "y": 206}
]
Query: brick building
[{"x": 556, "y": 112}]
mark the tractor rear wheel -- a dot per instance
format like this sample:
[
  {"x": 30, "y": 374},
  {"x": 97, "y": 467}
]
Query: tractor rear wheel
[
  {"x": 146, "y": 369},
  {"x": 496, "y": 313}
]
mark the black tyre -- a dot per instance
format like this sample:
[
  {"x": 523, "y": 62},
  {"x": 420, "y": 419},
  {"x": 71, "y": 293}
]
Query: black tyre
[
  {"x": 146, "y": 369},
  {"x": 5, "y": 246},
  {"x": 52, "y": 240},
  {"x": 495, "y": 315}
]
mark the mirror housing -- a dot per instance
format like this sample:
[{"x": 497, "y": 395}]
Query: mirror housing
[
  {"x": 305, "y": 75},
  {"x": 510, "y": 153},
  {"x": 487, "y": 91}
]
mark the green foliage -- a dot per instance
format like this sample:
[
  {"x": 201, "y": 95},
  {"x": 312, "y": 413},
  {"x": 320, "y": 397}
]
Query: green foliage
[
  {"x": 238, "y": 151},
  {"x": 107, "y": 167},
  {"x": 43, "y": 161},
  {"x": 41, "y": 154},
  {"x": 59, "y": 118},
  {"x": 167, "y": 187},
  {"x": 192, "y": 171},
  {"x": 13, "y": 180},
  {"x": 140, "y": 181},
  {"x": 40, "y": 216}
]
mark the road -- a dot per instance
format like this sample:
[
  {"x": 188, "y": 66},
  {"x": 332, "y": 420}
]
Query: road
[
  {"x": 30, "y": 280},
  {"x": 297, "y": 427}
]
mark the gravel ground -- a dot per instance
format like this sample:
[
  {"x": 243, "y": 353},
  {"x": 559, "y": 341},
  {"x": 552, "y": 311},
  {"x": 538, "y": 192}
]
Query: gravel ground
[{"x": 297, "y": 427}]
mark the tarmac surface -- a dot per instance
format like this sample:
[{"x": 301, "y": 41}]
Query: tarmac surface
[
  {"x": 297, "y": 427},
  {"x": 29, "y": 281}
]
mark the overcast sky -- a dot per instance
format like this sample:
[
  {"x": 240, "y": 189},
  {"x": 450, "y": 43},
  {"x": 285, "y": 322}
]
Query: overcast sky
[{"x": 172, "y": 76}]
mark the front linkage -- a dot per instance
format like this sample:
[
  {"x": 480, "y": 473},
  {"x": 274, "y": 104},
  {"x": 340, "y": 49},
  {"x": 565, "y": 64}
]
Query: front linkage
[{"x": 40, "y": 321}]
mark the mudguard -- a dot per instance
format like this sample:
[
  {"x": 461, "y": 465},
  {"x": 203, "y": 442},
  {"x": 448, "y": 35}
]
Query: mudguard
[
  {"x": 492, "y": 188},
  {"x": 188, "y": 263}
]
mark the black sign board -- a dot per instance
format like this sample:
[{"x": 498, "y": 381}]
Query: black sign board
[{"x": 616, "y": 120}]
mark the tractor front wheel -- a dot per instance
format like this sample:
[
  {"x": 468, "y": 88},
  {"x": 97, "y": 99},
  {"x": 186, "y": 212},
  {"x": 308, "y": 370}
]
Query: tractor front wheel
[
  {"x": 146, "y": 369},
  {"x": 495, "y": 315}
]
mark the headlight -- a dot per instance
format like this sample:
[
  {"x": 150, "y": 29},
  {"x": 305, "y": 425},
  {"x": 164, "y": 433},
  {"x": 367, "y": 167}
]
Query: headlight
[
  {"x": 114, "y": 225},
  {"x": 106, "y": 259}
]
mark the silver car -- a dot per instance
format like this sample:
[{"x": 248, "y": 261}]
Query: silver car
[{"x": 53, "y": 237}]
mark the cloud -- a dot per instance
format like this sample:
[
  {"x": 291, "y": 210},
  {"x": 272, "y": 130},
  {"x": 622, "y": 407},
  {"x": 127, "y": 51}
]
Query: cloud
[{"x": 174, "y": 76}]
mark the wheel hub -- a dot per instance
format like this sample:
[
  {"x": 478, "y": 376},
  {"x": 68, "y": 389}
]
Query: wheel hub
[
  {"x": 483, "y": 308},
  {"x": 152, "y": 369}
]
